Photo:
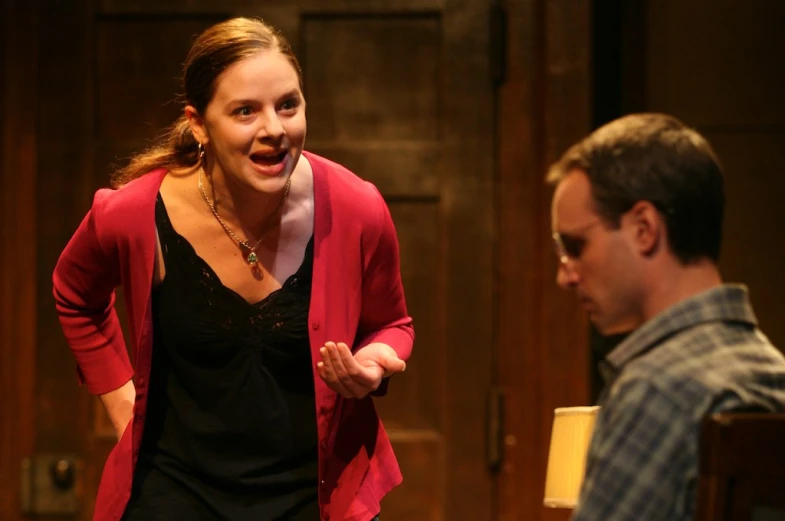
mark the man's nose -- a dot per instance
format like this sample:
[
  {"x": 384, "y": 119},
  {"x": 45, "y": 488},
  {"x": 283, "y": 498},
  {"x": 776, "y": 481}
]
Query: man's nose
[{"x": 566, "y": 276}]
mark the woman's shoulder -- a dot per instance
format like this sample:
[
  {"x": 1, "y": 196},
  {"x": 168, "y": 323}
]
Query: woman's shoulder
[
  {"x": 351, "y": 200},
  {"x": 126, "y": 213},
  {"x": 128, "y": 209},
  {"x": 138, "y": 191},
  {"x": 340, "y": 182}
]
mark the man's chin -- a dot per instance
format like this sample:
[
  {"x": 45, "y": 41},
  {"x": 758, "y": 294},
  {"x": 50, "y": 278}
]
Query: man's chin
[{"x": 606, "y": 329}]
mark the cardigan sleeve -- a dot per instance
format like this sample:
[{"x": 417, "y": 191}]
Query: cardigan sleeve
[
  {"x": 383, "y": 315},
  {"x": 84, "y": 283}
]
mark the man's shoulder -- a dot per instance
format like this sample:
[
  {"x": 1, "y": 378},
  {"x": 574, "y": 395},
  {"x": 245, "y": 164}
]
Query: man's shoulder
[
  {"x": 710, "y": 363},
  {"x": 726, "y": 347}
]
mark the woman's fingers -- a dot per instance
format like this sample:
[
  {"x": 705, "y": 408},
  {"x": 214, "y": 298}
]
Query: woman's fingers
[{"x": 343, "y": 373}]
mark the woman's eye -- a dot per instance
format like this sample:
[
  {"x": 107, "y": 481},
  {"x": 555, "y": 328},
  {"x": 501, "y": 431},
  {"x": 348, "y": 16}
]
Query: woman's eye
[
  {"x": 244, "y": 111},
  {"x": 290, "y": 104}
]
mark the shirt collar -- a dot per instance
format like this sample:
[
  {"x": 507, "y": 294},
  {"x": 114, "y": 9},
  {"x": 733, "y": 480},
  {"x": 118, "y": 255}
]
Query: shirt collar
[{"x": 727, "y": 303}]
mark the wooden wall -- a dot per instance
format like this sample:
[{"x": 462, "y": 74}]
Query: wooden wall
[{"x": 720, "y": 66}]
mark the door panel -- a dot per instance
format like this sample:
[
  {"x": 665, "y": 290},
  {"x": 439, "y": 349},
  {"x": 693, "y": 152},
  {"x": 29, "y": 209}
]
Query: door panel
[{"x": 358, "y": 70}]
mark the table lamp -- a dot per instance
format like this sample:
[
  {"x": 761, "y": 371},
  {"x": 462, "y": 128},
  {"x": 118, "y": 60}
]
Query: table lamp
[{"x": 570, "y": 437}]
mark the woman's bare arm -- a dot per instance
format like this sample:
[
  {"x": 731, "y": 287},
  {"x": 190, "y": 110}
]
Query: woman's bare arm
[{"x": 119, "y": 404}]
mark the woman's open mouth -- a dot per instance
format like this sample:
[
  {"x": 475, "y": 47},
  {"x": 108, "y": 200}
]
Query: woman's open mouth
[{"x": 270, "y": 164}]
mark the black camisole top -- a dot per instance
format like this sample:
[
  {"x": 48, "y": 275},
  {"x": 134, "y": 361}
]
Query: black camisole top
[{"x": 230, "y": 432}]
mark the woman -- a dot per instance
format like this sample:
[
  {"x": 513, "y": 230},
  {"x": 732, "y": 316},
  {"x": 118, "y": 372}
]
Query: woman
[{"x": 249, "y": 267}]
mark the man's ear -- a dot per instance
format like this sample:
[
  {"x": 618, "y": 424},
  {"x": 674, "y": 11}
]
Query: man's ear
[
  {"x": 197, "y": 124},
  {"x": 647, "y": 227}
]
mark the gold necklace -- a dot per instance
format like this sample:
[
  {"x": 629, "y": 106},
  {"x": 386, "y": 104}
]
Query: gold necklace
[{"x": 248, "y": 251}]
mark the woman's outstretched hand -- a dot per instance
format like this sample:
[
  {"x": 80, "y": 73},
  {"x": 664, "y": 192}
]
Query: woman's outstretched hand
[{"x": 356, "y": 375}]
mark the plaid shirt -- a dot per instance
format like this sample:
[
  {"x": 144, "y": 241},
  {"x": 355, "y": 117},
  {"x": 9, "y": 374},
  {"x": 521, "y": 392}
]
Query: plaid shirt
[{"x": 700, "y": 356}]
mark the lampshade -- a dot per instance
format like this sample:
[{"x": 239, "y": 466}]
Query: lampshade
[{"x": 572, "y": 430}]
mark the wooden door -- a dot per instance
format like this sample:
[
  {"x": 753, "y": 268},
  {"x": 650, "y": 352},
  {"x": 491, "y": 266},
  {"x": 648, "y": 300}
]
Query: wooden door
[{"x": 398, "y": 91}]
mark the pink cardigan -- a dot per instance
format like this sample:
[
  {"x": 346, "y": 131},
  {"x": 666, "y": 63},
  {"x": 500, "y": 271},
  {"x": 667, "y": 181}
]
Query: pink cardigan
[{"x": 355, "y": 258}]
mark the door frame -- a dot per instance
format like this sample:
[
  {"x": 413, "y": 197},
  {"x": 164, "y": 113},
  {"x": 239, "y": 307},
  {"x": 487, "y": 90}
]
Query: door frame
[
  {"x": 544, "y": 356},
  {"x": 18, "y": 128}
]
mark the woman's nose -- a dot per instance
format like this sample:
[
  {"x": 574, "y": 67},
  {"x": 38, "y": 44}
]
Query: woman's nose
[{"x": 272, "y": 127}]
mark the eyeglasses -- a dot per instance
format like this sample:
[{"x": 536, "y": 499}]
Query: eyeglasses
[{"x": 570, "y": 246}]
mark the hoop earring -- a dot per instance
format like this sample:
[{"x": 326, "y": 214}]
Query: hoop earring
[{"x": 200, "y": 151}]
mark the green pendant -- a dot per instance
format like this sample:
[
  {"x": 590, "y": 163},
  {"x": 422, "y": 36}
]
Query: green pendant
[{"x": 252, "y": 258}]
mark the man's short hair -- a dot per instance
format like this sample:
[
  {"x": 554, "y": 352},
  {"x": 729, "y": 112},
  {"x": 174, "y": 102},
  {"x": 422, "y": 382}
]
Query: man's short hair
[{"x": 655, "y": 158}]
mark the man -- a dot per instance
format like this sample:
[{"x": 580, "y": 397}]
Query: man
[{"x": 637, "y": 222}]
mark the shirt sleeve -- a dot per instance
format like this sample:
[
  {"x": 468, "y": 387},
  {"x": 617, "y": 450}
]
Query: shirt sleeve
[
  {"x": 642, "y": 462},
  {"x": 383, "y": 315},
  {"x": 84, "y": 281}
]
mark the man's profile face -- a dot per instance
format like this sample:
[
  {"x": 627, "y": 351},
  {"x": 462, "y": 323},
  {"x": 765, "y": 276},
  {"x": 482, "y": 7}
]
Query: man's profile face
[{"x": 595, "y": 260}]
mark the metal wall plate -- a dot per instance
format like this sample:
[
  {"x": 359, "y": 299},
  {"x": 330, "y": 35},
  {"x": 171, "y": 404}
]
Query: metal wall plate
[{"x": 51, "y": 485}]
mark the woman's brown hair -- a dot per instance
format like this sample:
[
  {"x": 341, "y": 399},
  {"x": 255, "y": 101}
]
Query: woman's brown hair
[{"x": 214, "y": 50}]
